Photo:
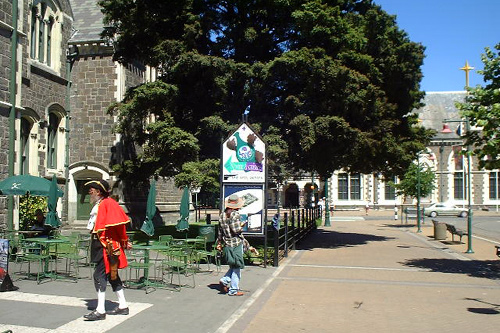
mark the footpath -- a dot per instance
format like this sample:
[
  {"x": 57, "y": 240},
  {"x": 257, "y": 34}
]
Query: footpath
[{"x": 362, "y": 274}]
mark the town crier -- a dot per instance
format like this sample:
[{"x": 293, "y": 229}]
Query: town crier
[{"x": 107, "y": 224}]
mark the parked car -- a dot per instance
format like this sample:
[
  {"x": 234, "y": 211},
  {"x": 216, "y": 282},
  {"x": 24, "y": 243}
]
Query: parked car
[{"x": 444, "y": 209}]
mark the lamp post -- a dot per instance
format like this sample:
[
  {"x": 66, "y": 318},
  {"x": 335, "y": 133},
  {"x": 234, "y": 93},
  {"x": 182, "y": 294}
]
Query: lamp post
[
  {"x": 327, "y": 204},
  {"x": 468, "y": 183},
  {"x": 466, "y": 69},
  {"x": 418, "y": 193}
]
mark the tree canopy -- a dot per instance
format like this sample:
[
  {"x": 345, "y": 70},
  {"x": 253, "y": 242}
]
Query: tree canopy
[
  {"x": 331, "y": 81},
  {"x": 482, "y": 109}
]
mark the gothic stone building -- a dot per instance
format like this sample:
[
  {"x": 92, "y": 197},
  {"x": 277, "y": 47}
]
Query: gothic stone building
[{"x": 63, "y": 82}]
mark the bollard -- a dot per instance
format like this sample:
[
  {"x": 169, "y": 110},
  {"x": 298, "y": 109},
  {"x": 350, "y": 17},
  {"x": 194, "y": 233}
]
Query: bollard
[{"x": 395, "y": 212}]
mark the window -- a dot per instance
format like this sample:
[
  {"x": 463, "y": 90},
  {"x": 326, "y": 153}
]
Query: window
[
  {"x": 45, "y": 33},
  {"x": 52, "y": 140},
  {"x": 26, "y": 126},
  {"x": 494, "y": 185},
  {"x": 459, "y": 185},
  {"x": 390, "y": 191},
  {"x": 356, "y": 186},
  {"x": 349, "y": 186},
  {"x": 343, "y": 186}
]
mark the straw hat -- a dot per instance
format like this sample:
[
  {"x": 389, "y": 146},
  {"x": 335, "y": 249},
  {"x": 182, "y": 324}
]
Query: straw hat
[{"x": 234, "y": 202}]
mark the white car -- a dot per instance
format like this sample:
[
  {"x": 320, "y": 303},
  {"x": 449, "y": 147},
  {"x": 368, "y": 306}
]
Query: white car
[{"x": 445, "y": 209}]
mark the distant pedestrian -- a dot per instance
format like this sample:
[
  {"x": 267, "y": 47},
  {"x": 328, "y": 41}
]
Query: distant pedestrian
[
  {"x": 109, "y": 240},
  {"x": 321, "y": 205},
  {"x": 367, "y": 207},
  {"x": 230, "y": 236}
]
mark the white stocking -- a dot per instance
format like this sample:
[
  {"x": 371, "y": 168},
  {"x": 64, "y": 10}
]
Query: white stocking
[
  {"x": 122, "y": 303},
  {"x": 101, "y": 299}
]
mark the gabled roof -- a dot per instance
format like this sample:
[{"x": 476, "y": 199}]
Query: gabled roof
[
  {"x": 88, "y": 21},
  {"x": 440, "y": 106}
]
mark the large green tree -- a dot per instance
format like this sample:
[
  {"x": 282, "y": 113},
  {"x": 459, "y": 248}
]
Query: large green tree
[
  {"x": 336, "y": 79},
  {"x": 482, "y": 109}
]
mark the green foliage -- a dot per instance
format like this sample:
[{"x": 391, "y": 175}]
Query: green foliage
[
  {"x": 333, "y": 79},
  {"x": 482, "y": 108},
  {"x": 203, "y": 174},
  {"x": 409, "y": 184},
  {"x": 27, "y": 206}
]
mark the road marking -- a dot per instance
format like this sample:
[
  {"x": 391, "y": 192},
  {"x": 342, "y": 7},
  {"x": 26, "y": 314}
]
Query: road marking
[
  {"x": 77, "y": 325},
  {"x": 226, "y": 326},
  {"x": 362, "y": 267},
  {"x": 348, "y": 218},
  {"x": 387, "y": 282},
  {"x": 486, "y": 239}
]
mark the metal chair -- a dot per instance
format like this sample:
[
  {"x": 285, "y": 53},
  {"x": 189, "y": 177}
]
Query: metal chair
[
  {"x": 177, "y": 264},
  {"x": 29, "y": 253}
]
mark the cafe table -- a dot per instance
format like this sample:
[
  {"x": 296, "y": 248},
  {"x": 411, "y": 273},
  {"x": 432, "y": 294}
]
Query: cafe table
[
  {"x": 146, "y": 282},
  {"x": 47, "y": 243}
]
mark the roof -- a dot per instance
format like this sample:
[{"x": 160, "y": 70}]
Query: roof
[
  {"x": 440, "y": 106},
  {"x": 88, "y": 21}
]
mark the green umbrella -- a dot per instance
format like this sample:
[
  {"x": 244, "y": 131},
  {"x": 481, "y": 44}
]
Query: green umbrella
[
  {"x": 52, "y": 219},
  {"x": 147, "y": 227},
  {"x": 182, "y": 222},
  {"x": 27, "y": 184}
]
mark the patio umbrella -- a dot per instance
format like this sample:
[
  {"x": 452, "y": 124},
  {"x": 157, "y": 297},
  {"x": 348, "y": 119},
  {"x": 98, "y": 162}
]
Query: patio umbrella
[
  {"x": 182, "y": 222},
  {"x": 27, "y": 184},
  {"x": 52, "y": 219},
  {"x": 148, "y": 227}
]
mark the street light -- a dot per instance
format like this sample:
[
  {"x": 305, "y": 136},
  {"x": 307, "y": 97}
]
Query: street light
[
  {"x": 466, "y": 69},
  {"x": 445, "y": 130}
]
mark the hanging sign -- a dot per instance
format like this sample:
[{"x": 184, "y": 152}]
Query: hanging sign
[{"x": 243, "y": 156}]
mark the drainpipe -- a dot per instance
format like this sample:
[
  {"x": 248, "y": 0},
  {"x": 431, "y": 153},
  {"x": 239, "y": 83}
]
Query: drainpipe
[
  {"x": 72, "y": 54},
  {"x": 12, "y": 114}
]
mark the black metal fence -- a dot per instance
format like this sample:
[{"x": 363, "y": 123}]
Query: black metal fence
[{"x": 297, "y": 224}]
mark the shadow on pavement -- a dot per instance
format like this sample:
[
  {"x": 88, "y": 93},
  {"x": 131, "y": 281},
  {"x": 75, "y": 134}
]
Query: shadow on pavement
[
  {"x": 492, "y": 309},
  {"x": 487, "y": 269},
  {"x": 332, "y": 239}
]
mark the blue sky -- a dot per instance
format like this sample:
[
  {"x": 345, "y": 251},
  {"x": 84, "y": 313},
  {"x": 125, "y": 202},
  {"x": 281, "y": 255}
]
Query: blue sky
[{"x": 453, "y": 31}]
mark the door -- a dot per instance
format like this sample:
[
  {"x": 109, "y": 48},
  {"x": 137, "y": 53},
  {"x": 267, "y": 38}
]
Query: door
[{"x": 83, "y": 206}]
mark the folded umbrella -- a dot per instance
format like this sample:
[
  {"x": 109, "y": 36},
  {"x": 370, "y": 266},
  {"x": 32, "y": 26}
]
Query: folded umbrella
[
  {"x": 148, "y": 227},
  {"x": 52, "y": 219},
  {"x": 182, "y": 222}
]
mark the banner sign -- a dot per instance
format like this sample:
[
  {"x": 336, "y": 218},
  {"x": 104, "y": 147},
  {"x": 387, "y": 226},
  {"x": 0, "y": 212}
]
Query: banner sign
[
  {"x": 252, "y": 211},
  {"x": 243, "y": 157}
]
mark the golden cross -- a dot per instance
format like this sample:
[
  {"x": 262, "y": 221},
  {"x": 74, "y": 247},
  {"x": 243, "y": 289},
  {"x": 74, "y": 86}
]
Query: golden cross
[{"x": 467, "y": 69}]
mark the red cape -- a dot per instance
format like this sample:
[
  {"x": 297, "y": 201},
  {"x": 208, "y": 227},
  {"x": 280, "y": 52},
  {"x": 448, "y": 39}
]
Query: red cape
[{"x": 111, "y": 224}]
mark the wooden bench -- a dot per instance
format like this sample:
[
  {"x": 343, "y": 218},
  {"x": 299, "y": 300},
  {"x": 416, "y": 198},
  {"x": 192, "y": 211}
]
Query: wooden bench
[{"x": 454, "y": 231}]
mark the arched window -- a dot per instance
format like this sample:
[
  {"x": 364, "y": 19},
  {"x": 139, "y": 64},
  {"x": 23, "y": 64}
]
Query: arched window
[
  {"x": 56, "y": 138},
  {"x": 26, "y": 127},
  {"x": 54, "y": 121},
  {"x": 27, "y": 162},
  {"x": 45, "y": 33},
  {"x": 459, "y": 183}
]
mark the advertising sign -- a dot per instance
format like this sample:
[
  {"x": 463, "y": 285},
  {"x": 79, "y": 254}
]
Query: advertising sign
[
  {"x": 252, "y": 211},
  {"x": 5, "y": 281},
  {"x": 243, "y": 156}
]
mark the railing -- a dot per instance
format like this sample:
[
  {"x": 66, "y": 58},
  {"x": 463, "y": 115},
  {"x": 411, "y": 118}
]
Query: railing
[{"x": 297, "y": 224}]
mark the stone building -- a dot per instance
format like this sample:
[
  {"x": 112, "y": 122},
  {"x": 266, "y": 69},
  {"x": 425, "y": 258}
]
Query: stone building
[
  {"x": 442, "y": 156},
  {"x": 65, "y": 79}
]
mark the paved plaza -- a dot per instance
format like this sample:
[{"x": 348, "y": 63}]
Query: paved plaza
[{"x": 362, "y": 274}]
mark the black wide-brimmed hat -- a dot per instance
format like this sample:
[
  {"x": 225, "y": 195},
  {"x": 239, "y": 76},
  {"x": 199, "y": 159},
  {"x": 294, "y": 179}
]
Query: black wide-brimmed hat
[{"x": 100, "y": 185}]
